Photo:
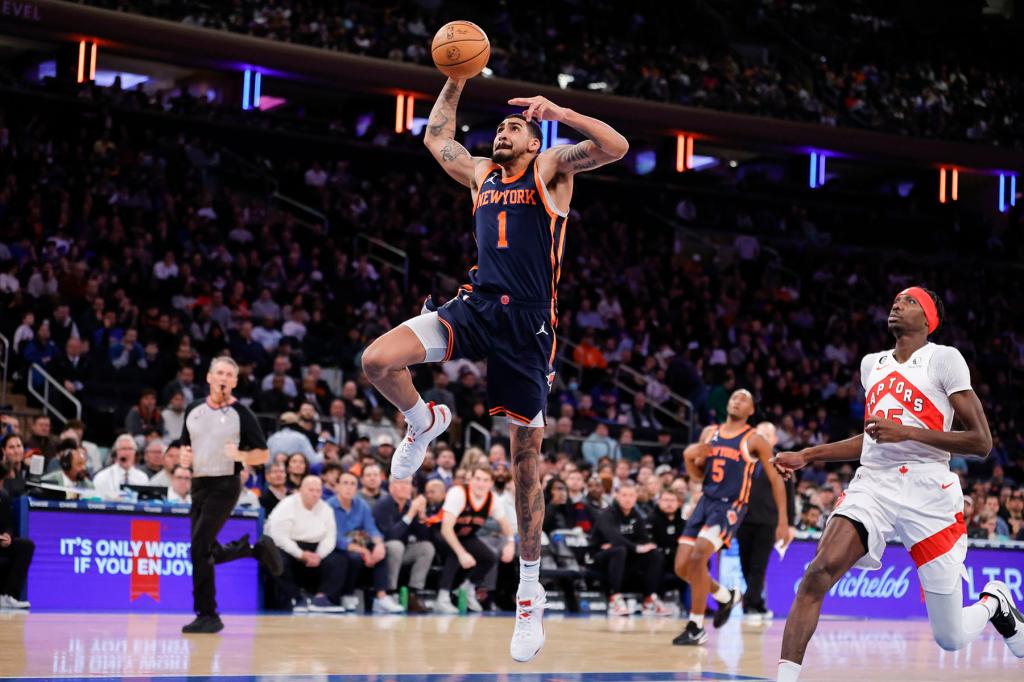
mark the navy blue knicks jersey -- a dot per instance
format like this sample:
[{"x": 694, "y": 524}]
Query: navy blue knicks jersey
[
  {"x": 520, "y": 237},
  {"x": 730, "y": 467}
]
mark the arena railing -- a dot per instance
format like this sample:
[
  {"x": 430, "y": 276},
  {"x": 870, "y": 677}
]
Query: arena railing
[
  {"x": 685, "y": 415},
  {"x": 4, "y": 369},
  {"x": 398, "y": 260},
  {"x": 46, "y": 380}
]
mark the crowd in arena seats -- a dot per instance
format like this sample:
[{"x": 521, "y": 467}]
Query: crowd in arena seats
[
  {"x": 807, "y": 69},
  {"x": 130, "y": 260}
]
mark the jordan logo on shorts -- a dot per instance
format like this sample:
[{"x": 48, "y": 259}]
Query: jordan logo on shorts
[{"x": 542, "y": 330}]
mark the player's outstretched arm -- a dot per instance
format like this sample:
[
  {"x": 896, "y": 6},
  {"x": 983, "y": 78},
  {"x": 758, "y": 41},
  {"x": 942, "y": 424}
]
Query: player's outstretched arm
[
  {"x": 439, "y": 135},
  {"x": 841, "y": 451},
  {"x": 603, "y": 146}
]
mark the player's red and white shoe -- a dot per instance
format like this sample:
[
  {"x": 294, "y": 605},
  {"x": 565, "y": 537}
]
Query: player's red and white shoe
[
  {"x": 528, "y": 637},
  {"x": 1008, "y": 620},
  {"x": 410, "y": 452},
  {"x": 653, "y": 606}
]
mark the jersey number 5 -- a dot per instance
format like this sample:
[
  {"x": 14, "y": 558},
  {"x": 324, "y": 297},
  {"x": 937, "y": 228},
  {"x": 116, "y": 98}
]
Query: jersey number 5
[
  {"x": 502, "y": 235},
  {"x": 718, "y": 470}
]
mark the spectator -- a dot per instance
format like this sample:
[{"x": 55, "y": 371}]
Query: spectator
[
  {"x": 992, "y": 509},
  {"x": 184, "y": 383},
  {"x": 280, "y": 371},
  {"x": 172, "y": 455},
  {"x": 466, "y": 509},
  {"x": 72, "y": 369},
  {"x": 41, "y": 349},
  {"x": 597, "y": 499},
  {"x": 361, "y": 544},
  {"x": 599, "y": 444},
  {"x": 557, "y": 513},
  {"x": 247, "y": 498},
  {"x": 439, "y": 393},
  {"x": 173, "y": 416},
  {"x": 810, "y": 518},
  {"x": 338, "y": 426},
  {"x": 303, "y": 528},
  {"x": 72, "y": 472},
  {"x": 145, "y": 416},
  {"x": 180, "y": 489},
  {"x": 307, "y": 421},
  {"x": 665, "y": 526},
  {"x": 385, "y": 450},
  {"x": 15, "y": 556},
  {"x": 152, "y": 459},
  {"x": 92, "y": 451},
  {"x": 13, "y": 460},
  {"x": 297, "y": 468},
  {"x": 40, "y": 437},
  {"x": 291, "y": 438},
  {"x": 445, "y": 469},
  {"x": 371, "y": 485},
  {"x": 108, "y": 482},
  {"x": 275, "y": 489},
  {"x": 627, "y": 449},
  {"x": 400, "y": 517},
  {"x": 622, "y": 547}
]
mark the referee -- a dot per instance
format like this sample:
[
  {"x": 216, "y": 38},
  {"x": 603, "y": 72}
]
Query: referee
[
  {"x": 759, "y": 532},
  {"x": 219, "y": 436}
]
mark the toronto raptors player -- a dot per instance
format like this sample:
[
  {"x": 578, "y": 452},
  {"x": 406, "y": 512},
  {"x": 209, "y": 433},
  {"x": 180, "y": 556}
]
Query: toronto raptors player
[{"x": 904, "y": 488}]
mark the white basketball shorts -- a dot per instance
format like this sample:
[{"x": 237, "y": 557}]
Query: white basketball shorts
[{"x": 919, "y": 504}]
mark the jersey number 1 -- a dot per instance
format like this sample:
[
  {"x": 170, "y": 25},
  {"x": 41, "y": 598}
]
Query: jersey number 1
[{"x": 502, "y": 235}]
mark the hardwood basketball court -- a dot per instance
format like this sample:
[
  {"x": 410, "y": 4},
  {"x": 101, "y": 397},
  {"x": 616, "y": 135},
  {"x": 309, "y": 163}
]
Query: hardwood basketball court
[{"x": 475, "y": 649}]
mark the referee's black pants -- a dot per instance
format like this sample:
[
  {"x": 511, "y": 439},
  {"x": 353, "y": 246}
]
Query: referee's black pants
[
  {"x": 756, "y": 542},
  {"x": 213, "y": 498},
  {"x": 14, "y": 563}
]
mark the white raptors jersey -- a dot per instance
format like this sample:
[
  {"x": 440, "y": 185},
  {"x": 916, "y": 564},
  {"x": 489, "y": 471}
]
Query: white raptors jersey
[{"x": 915, "y": 393}]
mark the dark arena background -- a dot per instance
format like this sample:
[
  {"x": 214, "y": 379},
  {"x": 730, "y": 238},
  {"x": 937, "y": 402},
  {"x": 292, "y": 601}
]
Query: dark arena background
[{"x": 277, "y": 184}]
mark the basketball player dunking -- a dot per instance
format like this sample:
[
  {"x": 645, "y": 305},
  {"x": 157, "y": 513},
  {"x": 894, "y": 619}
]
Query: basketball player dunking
[
  {"x": 904, "y": 487},
  {"x": 507, "y": 314},
  {"x": 726, "y": 460}
]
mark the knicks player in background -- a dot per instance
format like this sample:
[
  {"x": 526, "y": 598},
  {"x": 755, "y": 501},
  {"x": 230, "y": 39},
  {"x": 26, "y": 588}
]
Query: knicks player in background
[
  {"x": 904, "y": 487},
  {"x": 726, "y": 460},
  {"x": 507, "y": 314}
]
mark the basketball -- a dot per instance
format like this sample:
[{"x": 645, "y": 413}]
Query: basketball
[{"x": 460, "y": 49}]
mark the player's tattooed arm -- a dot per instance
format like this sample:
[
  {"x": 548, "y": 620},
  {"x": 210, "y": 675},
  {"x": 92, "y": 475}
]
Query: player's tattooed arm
[
  {"x": 529, "y": 494},
  {"x": 439, "y": 136}
]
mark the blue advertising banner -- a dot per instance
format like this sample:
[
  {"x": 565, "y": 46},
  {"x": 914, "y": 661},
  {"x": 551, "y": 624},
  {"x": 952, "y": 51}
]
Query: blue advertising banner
[
  {"x": 893, "y": 591},
  {"x": 127, "y": 557}
]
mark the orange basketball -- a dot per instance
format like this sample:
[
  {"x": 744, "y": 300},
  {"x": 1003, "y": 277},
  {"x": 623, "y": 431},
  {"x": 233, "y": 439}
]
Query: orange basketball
[{"x": 460, "y": 49}]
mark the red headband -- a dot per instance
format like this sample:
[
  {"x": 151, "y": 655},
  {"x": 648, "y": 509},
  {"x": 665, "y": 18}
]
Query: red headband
[{"x": 931, "y": 314}]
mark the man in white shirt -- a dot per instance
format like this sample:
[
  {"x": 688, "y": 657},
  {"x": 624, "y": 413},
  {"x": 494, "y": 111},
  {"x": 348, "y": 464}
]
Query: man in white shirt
[
  {"x": 180, "y": 489},
  {"x": 304, "y": 530},
  {"x": 108, "y": 482}
]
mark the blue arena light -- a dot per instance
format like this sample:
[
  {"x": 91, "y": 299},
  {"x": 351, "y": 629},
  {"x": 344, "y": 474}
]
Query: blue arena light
[
  {"x": 1013, "y": 190},
  {"x": 1002, "y": 193},
  {"x": 245, "y": 89},
  {"x": 821, "y": 170},
  {"x": 813, "y": 179},
  {"x": 256, "y": 91}
]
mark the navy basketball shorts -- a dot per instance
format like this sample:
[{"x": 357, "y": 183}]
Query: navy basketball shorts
[
  {"x": 516, "y": 340},
  {"x": 715, "y": 520}
]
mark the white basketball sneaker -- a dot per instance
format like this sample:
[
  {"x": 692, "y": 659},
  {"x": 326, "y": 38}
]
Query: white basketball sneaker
[
  {"x": 410, "y": 452},
  {"x": 1008, "y": 620},
  {"x": 528, "y": 637}
]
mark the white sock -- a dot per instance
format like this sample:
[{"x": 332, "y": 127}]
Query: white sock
[
  {"x": 444, "y": 594},
  {"x": 722, "y": 595},
  {"x": 788, "y": 671},
  {"x": 697, "y": 620},
  {"x": 418, "y": 416},
  {"x": 991, "y": 604},
  {"x": 529, "y": 571}
]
